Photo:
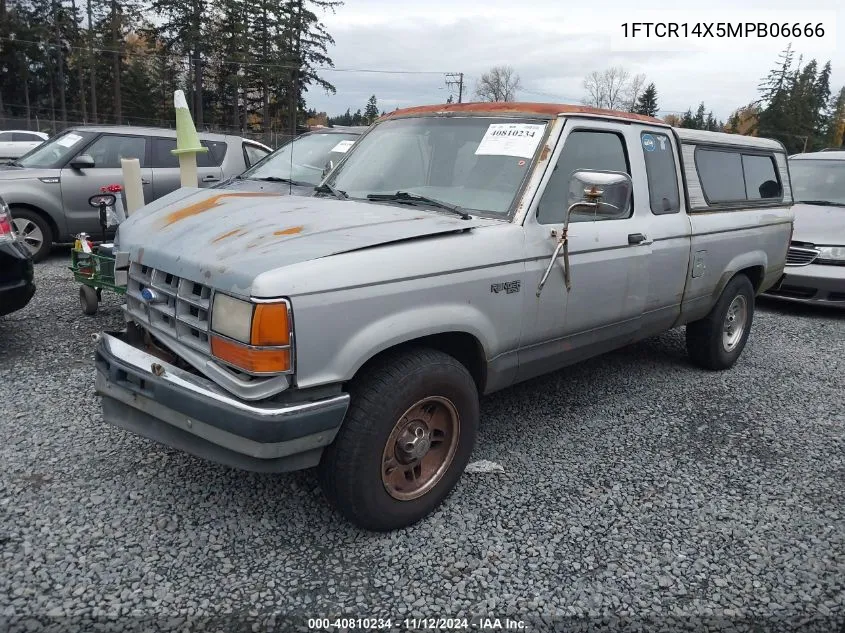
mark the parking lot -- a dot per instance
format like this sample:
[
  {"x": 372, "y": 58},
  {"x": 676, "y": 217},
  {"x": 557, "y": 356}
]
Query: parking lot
[{"x": 634, "y": 485}]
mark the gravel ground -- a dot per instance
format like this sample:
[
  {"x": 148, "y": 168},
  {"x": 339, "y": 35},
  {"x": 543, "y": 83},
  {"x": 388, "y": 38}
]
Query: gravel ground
[{"x": 633, "y": 486}]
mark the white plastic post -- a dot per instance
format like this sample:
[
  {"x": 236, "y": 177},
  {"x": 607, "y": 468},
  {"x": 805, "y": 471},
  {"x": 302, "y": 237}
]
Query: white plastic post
[
  {"x": 132, "y": 185},
  {"x": 188, "y": 170}
]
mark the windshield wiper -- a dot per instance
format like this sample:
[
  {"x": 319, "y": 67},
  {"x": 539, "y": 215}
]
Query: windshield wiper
[
  {"x": 287, "y": 181},
  {"x": 822, "y": 202},
  {"x": 327, "y": 188},
  {"x": 404, "y": 196}
]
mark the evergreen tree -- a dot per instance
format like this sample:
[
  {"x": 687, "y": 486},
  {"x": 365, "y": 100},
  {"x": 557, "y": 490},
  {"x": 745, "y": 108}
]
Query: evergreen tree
[
  {"x": 371, "y": 111},
  {"x": 647, "y": 102},
  {"x": 700, "y": 121},
  {"x": 835, "y": 136},
  {"x": 688, "y": 120}
]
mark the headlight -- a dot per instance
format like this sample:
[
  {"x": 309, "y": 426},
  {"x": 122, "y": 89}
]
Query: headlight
[
  {"x": 831, "y": 254},
  {"x": 254, "y": 337}
]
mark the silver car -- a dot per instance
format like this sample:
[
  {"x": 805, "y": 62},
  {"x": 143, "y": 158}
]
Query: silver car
[
  {"x": 48, "y": 188},
  {"x": 16, "y": 143},
  {"x": 815, "y": 265}
]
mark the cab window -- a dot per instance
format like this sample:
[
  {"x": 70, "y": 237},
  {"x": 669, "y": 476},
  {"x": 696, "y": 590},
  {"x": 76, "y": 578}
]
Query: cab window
[
  {"x": 664, "y": 195},
  {"x": 583, "y": 149}
]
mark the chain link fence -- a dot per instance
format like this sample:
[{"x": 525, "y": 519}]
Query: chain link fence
[{"x": 272, "y": 138}]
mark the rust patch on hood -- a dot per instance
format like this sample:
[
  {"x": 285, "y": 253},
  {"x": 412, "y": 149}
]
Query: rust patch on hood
[
  {"x": 208, "y": 203},
  {"x": 294, "y": 230},
  {"x": 220, "y": 238}
]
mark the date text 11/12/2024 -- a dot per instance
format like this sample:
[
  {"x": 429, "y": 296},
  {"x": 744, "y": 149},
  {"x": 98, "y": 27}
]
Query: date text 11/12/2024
[{"x": 417, "y": 624}]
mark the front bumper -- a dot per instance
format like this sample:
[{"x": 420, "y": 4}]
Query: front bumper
[
  {"x": 815, "y": 283},
  {"x": 190, "y": 413}
]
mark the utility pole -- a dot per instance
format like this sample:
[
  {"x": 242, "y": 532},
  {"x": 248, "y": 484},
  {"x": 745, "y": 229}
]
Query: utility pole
[{"x": 456, "y": 79}]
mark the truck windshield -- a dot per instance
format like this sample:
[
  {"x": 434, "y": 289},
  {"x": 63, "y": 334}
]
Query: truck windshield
[
  {"x": 474, "y": 163},
  {"x": 818, "y": 181},
  {"x": 55, "y": 152},
  {"x": 303, "y": 159}
]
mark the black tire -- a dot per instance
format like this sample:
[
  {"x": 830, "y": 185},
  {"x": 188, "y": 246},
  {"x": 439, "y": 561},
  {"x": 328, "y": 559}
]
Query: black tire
[
  {"x": 88, "y": 300},
  {"x": 351, "y": 468},
  {"x": 706, "y": 344},
  {"x": 40, "y": 252}
]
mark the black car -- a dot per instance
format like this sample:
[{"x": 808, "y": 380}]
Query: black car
[{"x": 16, "y": 273}]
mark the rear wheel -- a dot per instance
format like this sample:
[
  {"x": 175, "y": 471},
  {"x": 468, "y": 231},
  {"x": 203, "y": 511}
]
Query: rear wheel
[
  {"x": 34, "y": 231},
  {"x": 406, "y": 439},
  {"x": 717, "y": 340}
]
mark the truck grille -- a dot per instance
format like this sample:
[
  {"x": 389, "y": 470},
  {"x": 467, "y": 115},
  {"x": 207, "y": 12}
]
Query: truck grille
[
  {"x": 801, "y": 255},
  {"x": 179, "y": 309}
]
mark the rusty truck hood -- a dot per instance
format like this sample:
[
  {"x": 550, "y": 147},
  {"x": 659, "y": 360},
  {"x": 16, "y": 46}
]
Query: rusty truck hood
[{"x": 226, "y": 238}]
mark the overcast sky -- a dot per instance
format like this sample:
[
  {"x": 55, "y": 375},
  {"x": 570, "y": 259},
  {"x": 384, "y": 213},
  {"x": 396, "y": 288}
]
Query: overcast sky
[{"x": 553, "y": 47}]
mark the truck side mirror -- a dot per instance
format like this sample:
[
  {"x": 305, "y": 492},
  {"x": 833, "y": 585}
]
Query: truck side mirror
[{"x": 606, "y": 195}]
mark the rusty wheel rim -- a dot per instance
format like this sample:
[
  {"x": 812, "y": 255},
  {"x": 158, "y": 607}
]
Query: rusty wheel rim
[{"x": 420, "y": 448}]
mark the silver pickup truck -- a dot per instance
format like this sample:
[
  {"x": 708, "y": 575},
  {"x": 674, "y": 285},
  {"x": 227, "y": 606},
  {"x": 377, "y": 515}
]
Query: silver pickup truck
[{"x": 454, "y": 251}]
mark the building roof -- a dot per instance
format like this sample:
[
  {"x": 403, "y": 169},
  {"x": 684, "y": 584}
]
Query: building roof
[{"x": 510, "y": 107}]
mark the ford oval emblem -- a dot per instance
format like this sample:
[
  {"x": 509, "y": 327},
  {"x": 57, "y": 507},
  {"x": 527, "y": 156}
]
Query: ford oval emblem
[{"x": 149, "y": 295}]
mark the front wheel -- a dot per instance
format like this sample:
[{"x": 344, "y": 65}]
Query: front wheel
[
  {"x": 34, "y": 231},
  {"x": 406, "y": 439},
  {"x": 88, "y": 300},
  {"x": 716, "y": 341}
]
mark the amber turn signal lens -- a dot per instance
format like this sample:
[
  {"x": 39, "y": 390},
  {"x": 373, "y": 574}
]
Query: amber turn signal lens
[
  {"x": 270, "y": 325},
  {"x": 256, "y": 361}
]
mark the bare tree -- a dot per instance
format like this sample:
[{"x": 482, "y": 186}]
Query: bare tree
[
  {"x": 500, "y": 83},
  {"x": 613, "y": 88},
  {"x": 635, "y": 89}
]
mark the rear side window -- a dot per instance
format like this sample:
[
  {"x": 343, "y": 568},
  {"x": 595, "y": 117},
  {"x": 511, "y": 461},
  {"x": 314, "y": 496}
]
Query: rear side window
[
  {"x": 734, "y": 177},
  {"x": 163, "y": 156},
  {"x": 761, "y": 180},
  {"x": 721, "y": 175},
  {"x": 662, "y": 177},
  {"x": 23, "y": 136}
]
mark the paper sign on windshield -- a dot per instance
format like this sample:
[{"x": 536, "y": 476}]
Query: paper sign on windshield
[
  {"x": 69, "y": 140},
  {"x": 511, "y": 139},
  {"x": 343, "y": 147}
]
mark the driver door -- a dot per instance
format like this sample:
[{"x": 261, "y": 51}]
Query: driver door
[
  {"x": 608, "y": 273},
  {"x": 80, "y": 184}
]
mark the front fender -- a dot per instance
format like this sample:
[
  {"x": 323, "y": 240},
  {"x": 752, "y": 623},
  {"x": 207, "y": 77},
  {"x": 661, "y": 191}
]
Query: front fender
[
  {"x": 47, "y": 198},
  {"x": 394, "y": 329}
]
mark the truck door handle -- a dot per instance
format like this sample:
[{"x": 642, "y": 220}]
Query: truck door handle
[
  {"x": 144, "y": 181},
  {"x": 210, "y": 178},
  {"x": 638, "y": 238}
]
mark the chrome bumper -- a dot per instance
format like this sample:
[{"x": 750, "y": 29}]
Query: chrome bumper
[{"x": 155, "y": 399}]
